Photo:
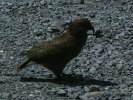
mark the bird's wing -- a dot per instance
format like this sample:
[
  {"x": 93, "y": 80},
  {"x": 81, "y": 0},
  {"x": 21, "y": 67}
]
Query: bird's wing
[{"x": 51, "y": 49}]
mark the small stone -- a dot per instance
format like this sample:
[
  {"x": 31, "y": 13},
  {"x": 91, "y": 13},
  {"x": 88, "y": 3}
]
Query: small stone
[
  {"x": 9, "y": 4},
  {"x": 20, "y": 12},
  {"x": 83, "y": 97},
  {"x": 132, "y": 95},
  {"x": 49, "y": 29},
  {"x": 88, "y": 96},
  {"x": 18, "y": 42},
  {"x": 86, "y": 89},
  {"x": 42, "y": 98},
  {"x": 54, "y": 90},
  {"x": 3, "y": 3},
  {"x": 37, "y": 91},
  {"x": 124, "y": 91},
  {"x": 21, "y": 20},
  {"x": 14, "y": 96},
  {"x": 42, "y": 2},
  {"x": 117, "y": 98},
  {"x": 31, "y": 95},
  {"x": 87, "y": 62},
  {"x": 96, "y": 94},
  {"x": 108, "y": 88},
  {"x": 99, "y": 61},
  {"x": 74, "y": 95},
  {"x": 50, "y": 6},
  {"x": 67, "y": 21},
  {"x": 61, "y": 92},
  {"x": 130, "y": 83},
  {"x": 132, "y": 15},
  {"x": 34, "y": 5},
  {"x": 11, "y": 57},
  {"x": 7, "y": 10},
  {"x": 92, "y": 70},
  {"x": 93, "y": 88},
  {"x": 5, "y": 95},
  {"x": 120, "y": 65},
  {"x": 92, "y": 14},
  {"x": 1, "y": 51},
  {"x": 35, "y": 30}
]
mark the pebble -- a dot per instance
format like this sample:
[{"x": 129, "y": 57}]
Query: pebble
[
  {"x": 37, "y": 91},
  {"x": 92, "y": 70},
  {"x": 31, "y": 95},
  {"x": 93, "y": 88},
  {"x": 14, "y": 96},
  {"x": 7, "y": 10},
  {"x": 1, "y": 51},
  {"x": 61, "y": 92},
  {"x": 42, "y": 2},
  {"x": 9, "y": 3},
  {"x": 89, "y": 95},
  {"x": 117, "y": 98},
  {"x": 5, "y": 95}
]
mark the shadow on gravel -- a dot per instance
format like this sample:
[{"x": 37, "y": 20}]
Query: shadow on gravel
[{"x": 70, "y": 80}]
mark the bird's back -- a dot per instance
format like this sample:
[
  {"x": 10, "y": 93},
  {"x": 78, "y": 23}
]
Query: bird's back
[{"x": 61, "y": 49}]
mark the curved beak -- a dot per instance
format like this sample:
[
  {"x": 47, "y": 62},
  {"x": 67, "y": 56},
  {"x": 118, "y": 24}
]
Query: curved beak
[{"x": 92, "y": 28}]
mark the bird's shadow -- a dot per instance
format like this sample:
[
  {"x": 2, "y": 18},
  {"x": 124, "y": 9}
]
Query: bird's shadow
[{"x": 75, "y": 80}]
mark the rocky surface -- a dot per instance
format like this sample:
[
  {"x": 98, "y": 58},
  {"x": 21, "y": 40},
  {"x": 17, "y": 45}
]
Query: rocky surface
[{"x": 102, "y": 62}]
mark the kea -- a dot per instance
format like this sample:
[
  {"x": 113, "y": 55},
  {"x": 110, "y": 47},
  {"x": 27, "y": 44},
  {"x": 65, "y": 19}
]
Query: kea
[{"x": 55, "y": 54}]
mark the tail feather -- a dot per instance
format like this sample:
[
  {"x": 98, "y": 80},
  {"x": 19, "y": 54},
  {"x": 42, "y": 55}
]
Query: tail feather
[{"x": 23, "y": 65}]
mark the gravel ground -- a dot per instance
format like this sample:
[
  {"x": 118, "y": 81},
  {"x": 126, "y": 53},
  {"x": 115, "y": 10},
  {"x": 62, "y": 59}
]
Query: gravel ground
[{"x": 102, "y": 62}]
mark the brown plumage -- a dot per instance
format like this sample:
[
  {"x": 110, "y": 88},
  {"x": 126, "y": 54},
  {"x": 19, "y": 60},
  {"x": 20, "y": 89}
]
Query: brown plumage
[{"x": 55, "y": 54}]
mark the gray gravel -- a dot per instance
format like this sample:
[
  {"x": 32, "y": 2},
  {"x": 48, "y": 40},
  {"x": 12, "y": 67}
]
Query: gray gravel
[{"x": 103, "y": 60}]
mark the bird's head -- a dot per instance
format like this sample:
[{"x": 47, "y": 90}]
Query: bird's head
[{"x": 80, "y": 27}]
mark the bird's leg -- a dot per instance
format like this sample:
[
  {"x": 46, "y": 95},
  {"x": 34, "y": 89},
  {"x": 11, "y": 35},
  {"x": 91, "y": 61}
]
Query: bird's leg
[
  {"x": 30, "y": 63},
  {"x": 58, "y": 73},
  {"x": 19, "y": 67},
  {"x": 63, "y": 76}
]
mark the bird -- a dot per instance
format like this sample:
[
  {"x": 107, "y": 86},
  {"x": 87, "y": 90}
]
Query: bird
[{"x": 56, "y": 53}]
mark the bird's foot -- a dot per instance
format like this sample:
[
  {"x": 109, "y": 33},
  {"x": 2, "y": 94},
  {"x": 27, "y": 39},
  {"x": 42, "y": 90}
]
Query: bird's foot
[
  {"x": 65, "y": 76},
  {"x": 68, "y": 75},
  {"x": 98, "y": 34}
]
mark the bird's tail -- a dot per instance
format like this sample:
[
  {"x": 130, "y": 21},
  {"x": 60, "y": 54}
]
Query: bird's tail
[
  {"x": 22, "y": 65},
  {"x": 23, "y": 53}
]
